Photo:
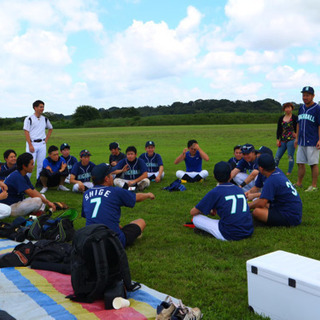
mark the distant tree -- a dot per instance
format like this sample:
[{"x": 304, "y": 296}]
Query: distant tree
[{"x": 85, "y": 113}]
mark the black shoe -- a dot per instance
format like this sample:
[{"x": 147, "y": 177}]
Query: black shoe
[{"x": 202, "y": 232}]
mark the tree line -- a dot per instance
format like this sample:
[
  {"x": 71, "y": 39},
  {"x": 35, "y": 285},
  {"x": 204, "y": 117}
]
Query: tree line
[{"x": 89, "y": 116}]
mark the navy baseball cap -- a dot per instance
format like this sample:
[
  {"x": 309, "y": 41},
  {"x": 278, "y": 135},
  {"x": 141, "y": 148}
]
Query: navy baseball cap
[
  {"x": 85, "y": 153},
  {"x": 247, "y": 148},
  {"x": 100, "y": 171},
  {"x": 222, "y": 171},
  {"x": 64, "y": 146},
  {"x": 308, "y": 90},
  {"x": 264, "y": 149},
  {"x": 266, "y": 161},
  {"x": 114, "y": 145},
  {"x": 150, "y": 143}
]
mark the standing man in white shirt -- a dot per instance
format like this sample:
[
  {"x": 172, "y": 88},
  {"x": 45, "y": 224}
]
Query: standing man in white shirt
[{"x": 35, "y": 131}]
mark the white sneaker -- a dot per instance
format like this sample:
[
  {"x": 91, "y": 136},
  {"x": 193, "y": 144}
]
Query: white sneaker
[
  {"x": 43, "y": 190},
  {"x": 63, "y": 188}
]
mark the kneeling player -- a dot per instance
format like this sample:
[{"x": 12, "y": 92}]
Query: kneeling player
[
  {"x": 279, "y": 203},
  {"x": 229, "y": 202},
  {"x": 103, "y": 202}
]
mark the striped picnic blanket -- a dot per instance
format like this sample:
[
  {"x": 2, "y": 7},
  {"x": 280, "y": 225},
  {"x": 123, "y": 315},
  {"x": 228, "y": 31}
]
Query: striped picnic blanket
[{"x": 38, "y": 294}]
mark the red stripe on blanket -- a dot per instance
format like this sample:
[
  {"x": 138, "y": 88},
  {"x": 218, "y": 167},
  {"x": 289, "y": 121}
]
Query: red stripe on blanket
[{"x": 62, "y": 283}]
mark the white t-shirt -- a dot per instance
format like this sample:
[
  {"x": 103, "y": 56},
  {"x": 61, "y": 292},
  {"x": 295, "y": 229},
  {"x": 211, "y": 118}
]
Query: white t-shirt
[{"x": 37, "y": 126}]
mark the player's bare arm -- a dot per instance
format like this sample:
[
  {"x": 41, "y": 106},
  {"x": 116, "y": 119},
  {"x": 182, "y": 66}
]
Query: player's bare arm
[
  {"x": 181, "y": 157},
  {"x": 3, "y": 186},
  {"x": 33, "y": 193},
  {"x": 133, "y": 182},
  {"x": 143, "y": 196},
  {"x": 297, "y": 135},
  {"x": 158, "y": 177},
  {"x": 260, "y": 203},
  {"x": 234, "y": 172},
  {"x": 3, "y": 195},
  {"x": 251, "y": 176},
  {"x": 28, "y": 139},
  {"x": 48, "y": 135},
  {"x": 194, "y": 211},
  {"x": 62, "y": 167},
  {"x": 124, "y": 169},
  {"x": 318, "y": 143},
  {"x": 203, "y": 155}
]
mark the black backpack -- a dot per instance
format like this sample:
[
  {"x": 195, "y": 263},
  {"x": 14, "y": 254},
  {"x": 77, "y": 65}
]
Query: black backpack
[{"x": 98, "y": 263}]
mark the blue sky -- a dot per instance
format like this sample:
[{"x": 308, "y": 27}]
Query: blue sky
[{"x": 137, "y": 52}]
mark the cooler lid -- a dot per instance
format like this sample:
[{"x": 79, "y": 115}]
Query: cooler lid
[{"x": 290, "y": 269}]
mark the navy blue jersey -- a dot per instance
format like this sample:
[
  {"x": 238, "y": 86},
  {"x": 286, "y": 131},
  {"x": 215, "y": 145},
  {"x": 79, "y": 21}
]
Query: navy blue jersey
[
  {"x": 5, "y": 171},
  {"x": 103, "y": 204},
  {"x": 17, "y": 185},
  {"x": 260, "y": 181},
  {"x": 70, "y": 161},
  {"x": 82, "y": 173},
  {"x": 117, "y": 158},
  {"x": 234, "y": 162},
  {"x": 231, "y": 204},
  {"x": 153, "y": 163},
  {"x": 309, "y": 121},
  {"x": 280, "y": 192},
  {"x": 136, "y": 168},
  {"x": 54, "y": 165},
  {"x": 193, "y": 164},
  {"x": 245, "y": 166}
]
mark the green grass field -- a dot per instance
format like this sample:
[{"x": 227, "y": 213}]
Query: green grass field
[{"x": 170, "y": 258}]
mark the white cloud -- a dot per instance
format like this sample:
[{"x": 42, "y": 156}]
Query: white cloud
[
  {"x": 273, "y": 25},
  {"x": 286, "y": 77},
  {"x": 39, "y": 47}
]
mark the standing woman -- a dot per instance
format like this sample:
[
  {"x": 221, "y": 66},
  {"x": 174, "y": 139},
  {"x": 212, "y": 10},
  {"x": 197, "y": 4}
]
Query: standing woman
[{"x": 286, "y": 134}]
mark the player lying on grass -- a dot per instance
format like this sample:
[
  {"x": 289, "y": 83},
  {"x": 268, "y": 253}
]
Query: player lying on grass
[
  {"x": 229, "y": 202},
  {"x": 103, "y": 202},
  {"x": 81, "y": 173},
  {"x": 17, "y": 185},
  {"x": 279, "y": 203},
  {"x": 134, "y": 172},
  {"x": 153, "y": 161},
  {"x": 192, "y": 156}
]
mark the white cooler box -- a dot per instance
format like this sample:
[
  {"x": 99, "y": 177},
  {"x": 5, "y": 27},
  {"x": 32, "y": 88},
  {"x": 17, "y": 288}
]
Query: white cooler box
[{"x": 282, "y": 285}]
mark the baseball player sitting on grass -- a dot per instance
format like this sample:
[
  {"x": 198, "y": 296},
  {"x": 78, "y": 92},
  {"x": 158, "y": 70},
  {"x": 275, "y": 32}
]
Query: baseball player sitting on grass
[
  {"x": 246, "y": 170},
  {"x": 237, "y": 156},
  {"x": 81, "y": 173},
  {"x": 134, "y": 172},
  {"x": 17, "y": 184},
  {"x": 103, "y": 202},
  {"x": 229, "y": 202},
  {"x": 153, "y": 161},
  {"x": 115, "y": 155},
  {"x": 54, "y": 171},
  {"x": 279, "y": 203},
  {"x": 255, "y": 191},
  {"x": 70, "y": 160},
  {"x": 192, "y": 157},
  {"x": 10, "y": 157}
]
